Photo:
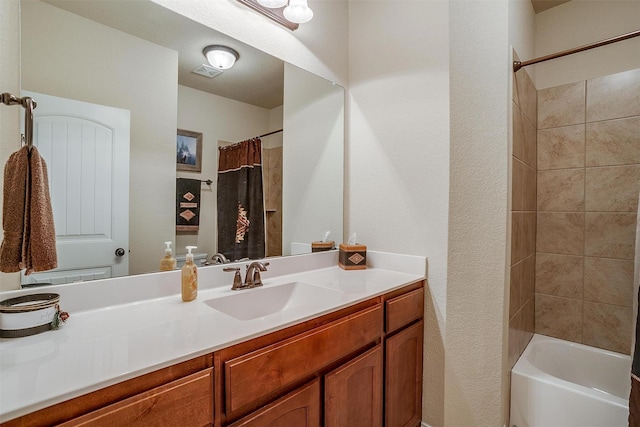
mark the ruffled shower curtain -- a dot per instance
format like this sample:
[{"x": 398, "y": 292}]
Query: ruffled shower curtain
[{"x": 241, "y": 225}]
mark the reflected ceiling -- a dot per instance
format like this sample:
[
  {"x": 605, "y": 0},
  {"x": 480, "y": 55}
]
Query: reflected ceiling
[{"x": 264, "y": 88}]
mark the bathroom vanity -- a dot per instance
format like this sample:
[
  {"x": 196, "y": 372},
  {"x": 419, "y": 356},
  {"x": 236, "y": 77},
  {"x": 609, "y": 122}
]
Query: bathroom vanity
[{"x": 354, "y": 354}]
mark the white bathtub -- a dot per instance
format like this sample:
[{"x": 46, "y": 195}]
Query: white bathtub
[{"x": 564, "y": 384}]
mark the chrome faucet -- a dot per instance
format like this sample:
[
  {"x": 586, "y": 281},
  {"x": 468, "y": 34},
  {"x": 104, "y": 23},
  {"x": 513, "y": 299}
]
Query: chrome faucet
[
  {"x": 219, "y": 258},
  {"x": 252, "y": 278}
]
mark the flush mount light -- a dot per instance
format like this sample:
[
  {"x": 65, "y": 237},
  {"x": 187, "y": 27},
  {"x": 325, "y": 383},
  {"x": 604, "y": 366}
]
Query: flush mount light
[
  {"x": 221, "y": 57},
  {"x": 273, "y": 4},
  {"x": 298, "y": 11}
]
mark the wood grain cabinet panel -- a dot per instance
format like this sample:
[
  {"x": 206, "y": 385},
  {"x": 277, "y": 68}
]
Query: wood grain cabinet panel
[
  {"x": 184, "y": 402},
  {"x": 300, "y": 408},
  {"x": 259, "y": 373},
  {"x": 403, "y": 382},
  {"x": 353, "y": 392},
  {"x": 404, "y": 309}
]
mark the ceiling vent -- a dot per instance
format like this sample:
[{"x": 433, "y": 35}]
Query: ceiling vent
[{"x": 207, "y": 71}]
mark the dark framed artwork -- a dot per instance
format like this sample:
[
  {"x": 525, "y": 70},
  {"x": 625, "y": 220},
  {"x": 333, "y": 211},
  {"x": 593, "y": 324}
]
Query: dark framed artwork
[{"x": 189, "y": 151}]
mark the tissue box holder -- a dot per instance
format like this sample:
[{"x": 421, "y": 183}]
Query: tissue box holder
[
  {"x": 322, "y": 246},
  {"x": 352, "y": 257}
]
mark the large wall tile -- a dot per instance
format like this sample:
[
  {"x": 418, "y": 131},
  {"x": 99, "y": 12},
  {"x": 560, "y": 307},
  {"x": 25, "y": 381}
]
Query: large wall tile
[
  {"x": 561, "y": 190},
  {"x": 608, "y": 281},
  {"x": 561, "y": 105},
  {"x": 560, "y": 233},
  {"x": 607, "y": 326},
  {"x": 529, "y": 185},
  {"x": 526, "y": 95},
  {"x": 515, "y": 281},
  {"x": 524, "y": 138},
  {"x": 613, "y": 142},
  {"x": 559, "y": 275},
  {"x": 614, "y": 96},
  {"x": 527, "y": 283},
  {"x": 517, "y": 182},
  {"x": 610, "y": 235},
  {"x": 517, "y": 237},
  {"x": 560, "y": 148},
  {"x": 612, "y": 188},
  {"x": 529, "y": 232},
  {"x": 559, "y": 317},
  {"x": 515, "y": 338},
  {"x": 527, "y": 319},
  {"x": 518, "y": 131}
]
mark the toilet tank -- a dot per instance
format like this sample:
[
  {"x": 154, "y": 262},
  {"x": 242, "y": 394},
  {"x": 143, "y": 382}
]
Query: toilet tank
[{"x": 198, "y": 258}]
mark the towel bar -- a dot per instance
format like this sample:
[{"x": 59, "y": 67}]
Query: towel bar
[{"x": 29, "y": 105}]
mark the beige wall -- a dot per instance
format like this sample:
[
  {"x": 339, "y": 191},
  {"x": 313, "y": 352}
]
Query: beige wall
[
  {"x": 581, "y": 22},
  {"x": 106, "y": 66},
  {"x": 9, "y": 116},
  {"x": 588, "y": 184},
  {"x": 475, "y": 347},
  {"x": 219, "y": 119},
  {"x": 312, "y": 158},
  {"x": 398, "y": 151}
]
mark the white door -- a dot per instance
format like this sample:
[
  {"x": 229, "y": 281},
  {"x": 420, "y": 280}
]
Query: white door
[{"x": 86, "y": 147}]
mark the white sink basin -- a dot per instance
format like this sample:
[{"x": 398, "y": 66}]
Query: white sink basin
[{"x": 259, "y": 302}]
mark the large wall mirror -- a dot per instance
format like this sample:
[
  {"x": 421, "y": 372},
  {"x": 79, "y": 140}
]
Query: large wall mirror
[{"x": 137, "y": 58}]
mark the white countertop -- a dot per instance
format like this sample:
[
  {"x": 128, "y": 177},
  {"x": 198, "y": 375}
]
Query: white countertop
[{"x": 106, "y": 343}]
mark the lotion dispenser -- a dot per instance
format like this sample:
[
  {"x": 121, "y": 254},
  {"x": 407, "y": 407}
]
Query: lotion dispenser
[
  {"x": 167, "y": 263},
  {"x": 189, "y": 277}
]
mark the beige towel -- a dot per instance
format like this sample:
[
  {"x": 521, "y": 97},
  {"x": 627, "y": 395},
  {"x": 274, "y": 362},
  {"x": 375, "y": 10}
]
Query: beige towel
[{"x": 29, "y": 234}]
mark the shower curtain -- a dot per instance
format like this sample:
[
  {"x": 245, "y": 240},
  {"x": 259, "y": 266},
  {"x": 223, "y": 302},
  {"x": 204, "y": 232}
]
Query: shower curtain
[{"x": 241, "y": 229}]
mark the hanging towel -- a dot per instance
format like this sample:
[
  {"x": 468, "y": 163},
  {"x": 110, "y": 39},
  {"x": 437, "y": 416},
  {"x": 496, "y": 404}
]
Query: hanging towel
[
  {"x": 29, "y": 241},
  {"x": 188, "y": 204}
]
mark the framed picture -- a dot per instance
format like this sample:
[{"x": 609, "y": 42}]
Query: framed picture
[{"x": 189, "y": 151}]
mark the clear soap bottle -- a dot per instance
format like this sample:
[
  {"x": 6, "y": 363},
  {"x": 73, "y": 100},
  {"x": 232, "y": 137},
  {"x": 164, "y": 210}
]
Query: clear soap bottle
[
  {"x": 167, "y": 263},
  {"x": 189, "y": 277}
]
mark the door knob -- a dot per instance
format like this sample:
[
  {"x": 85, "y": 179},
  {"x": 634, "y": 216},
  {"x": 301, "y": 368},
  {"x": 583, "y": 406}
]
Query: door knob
[{"x": 120, "y": 252}]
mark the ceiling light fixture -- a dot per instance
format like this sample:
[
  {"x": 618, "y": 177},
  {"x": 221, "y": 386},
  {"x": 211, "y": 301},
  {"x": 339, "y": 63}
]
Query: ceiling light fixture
[
  {"x": 221, "y": 57},
  {"x": 298, "y": 11},
  {"x": 273, "y": 4}
]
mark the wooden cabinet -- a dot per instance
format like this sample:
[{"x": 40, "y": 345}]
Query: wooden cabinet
[
  {"x": 358, "y": 366},
  {"x": 301, "y": 408},
  {"x": 403, "y": 377},
  {"x": 353, "y": 392}
]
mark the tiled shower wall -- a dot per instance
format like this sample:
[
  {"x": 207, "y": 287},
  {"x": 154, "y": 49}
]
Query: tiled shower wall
[
  {"x": 588, "y": 182},
  {"x": 272, "y": 180},
  {"x": 523, "y": 216}
]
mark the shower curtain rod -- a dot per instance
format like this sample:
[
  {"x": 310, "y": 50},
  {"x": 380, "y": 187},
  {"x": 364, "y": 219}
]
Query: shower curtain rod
[
  {"x": 517, "y": 64},
  {"x": 266, "y": 134}
]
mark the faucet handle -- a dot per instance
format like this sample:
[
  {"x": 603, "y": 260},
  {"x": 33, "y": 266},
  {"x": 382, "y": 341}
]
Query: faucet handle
[{"x": 237, "y": 279}]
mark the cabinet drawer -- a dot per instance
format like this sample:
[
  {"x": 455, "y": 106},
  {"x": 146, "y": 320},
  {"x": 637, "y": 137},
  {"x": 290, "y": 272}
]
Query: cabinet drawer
[
  {"x": 264, "y": 371},
  {"x": 187, "y": 401},
  {"x": 404, "y": 309}
]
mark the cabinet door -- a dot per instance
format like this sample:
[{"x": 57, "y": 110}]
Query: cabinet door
[
  {"x": 353, "y": 392},
  {"x": 187, "y": 401},
  {"x": 403, "y": 401},
  {"x": 300, "y": 408}
]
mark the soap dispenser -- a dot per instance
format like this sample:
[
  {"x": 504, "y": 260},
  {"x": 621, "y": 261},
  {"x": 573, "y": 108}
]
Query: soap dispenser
[
  {"x": 167, "y": 263},
  {"x": 189, "y": 277}
]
